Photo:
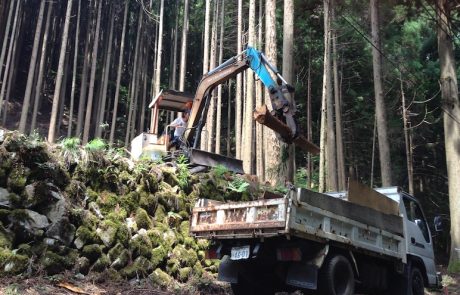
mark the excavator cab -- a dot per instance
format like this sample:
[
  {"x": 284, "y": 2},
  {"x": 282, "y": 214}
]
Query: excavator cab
[{"x": 153, "y": 143}]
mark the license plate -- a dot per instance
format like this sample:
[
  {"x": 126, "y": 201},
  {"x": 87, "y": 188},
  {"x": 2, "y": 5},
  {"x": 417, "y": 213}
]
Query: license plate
[{"x": 239, "y": 253}]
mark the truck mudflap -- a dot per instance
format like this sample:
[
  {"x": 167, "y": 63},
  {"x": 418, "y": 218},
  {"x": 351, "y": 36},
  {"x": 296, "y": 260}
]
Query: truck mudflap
[{"x": 261, "y": 218}]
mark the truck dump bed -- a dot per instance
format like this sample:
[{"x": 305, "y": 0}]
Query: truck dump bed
[{"x": 304, "y": 214}]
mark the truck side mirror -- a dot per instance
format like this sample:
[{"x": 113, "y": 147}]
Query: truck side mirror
[{"x": 438, "y": 226}]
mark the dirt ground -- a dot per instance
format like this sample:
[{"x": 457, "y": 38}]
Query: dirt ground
[{"x": 68, "y": 285}]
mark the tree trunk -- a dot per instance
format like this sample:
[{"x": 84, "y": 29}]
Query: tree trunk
[
  {"x": 41, "y": 69},
  {"x": 84, "y": 80},
  {"x": 160, "y": 50},
  {"x": 260, "y": 169},
  {"x": 89, "y": 106},
  {"x": 210, "y": 122},
  {"x": 219, "y": 88},
  {"x": 183, "y": 51},
  {"x": 105, "y": 80},
  {"x": 247, "y": 151},
  {"x": 309, "y": 124},
  {"x": 74, "y": 72},
  {"x": 451, "y": 109},
  {"x": 9, "y": 57},
  {"x": 119, "y": 72},
  {"x": 5, "y": 39},
  {"x": 384, "y": 147},
  {"x": 59, "y": 75},
  {"x": 206, "y": 37},
  {"x": 288, "y": 71},
  {"x": 63, "y": 94},
  {"x": 239, "y": 84},
  {"x": 272, "y": 144},
  {"x": 32, "y": 66},
  {"x": 407, "y": 140},
  {"x": 229, "y": 118},
  {"x": 338, "y": 108}
]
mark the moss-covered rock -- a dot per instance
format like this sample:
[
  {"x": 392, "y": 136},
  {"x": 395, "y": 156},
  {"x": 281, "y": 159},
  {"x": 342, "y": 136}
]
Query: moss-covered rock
[
  {"x": 121, "y": 260},
  {"x": 6, "y": 237},
  {"x": 107, "y": 231},
  {"x": 159, "y": 254},
  {"x": 187, "y": 257},
  {"x": 101, "y": 264},
  {"x": 12, "y": 263},
  {"x": 85, "y": 236},
  {"x": 123, "y": 235},
  {"x": 83, "y": 264},
  {"x": 141, "y": 267},
  {"x": 160, "y": 213},
  {"x": 53, "y": 263},
  {"x": 115, "y": 251},
  {"x": 92, "y": 252},
  {"x": 184, "y": 274},
  {"x": 143, "y": 219},
  {"x": 160, "y": 278},
  {"x": 17, "y": 178},
  {"x": 172, "y": 266},
  {"x": 140, "y": 245}
]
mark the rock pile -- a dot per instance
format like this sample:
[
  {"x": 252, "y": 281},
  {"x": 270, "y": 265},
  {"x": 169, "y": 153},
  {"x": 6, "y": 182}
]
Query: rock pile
[{"x": 92, "y": 211}]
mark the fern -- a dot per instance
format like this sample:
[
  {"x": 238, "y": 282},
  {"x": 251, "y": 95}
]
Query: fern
[
  {"x": 95, "y": 145},
  {"x": 238, "y": 185},
  {"x": 220, "y": 170}
]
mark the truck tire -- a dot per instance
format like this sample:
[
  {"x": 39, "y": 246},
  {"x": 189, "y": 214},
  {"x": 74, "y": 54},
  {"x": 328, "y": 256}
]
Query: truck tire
[
  {"x": 416, "y": 286},
  {"x": 337, "y": 277}
]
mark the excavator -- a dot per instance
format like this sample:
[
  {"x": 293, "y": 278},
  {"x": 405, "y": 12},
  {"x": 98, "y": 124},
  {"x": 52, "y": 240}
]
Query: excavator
[{"x": 280, "y": 119}]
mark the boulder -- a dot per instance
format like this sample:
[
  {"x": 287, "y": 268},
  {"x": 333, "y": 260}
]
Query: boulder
[
  {"x": 107, "y": 231},
  {"x": 5, "y": 198},
  {"x": 160, "y": 278},
  {"x": 62, "y": 230}
]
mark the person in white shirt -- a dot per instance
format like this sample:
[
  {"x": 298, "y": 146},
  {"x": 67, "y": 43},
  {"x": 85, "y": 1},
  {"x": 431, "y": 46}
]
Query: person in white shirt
[{"x": 179, "y": 124}]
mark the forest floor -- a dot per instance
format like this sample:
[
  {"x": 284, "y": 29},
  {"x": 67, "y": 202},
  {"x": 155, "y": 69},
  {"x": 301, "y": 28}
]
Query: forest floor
[{"x": 66, "y": 285}]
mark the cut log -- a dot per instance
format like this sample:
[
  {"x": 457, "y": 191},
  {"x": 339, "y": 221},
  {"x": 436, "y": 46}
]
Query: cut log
[{"x": 263, "y": 116}]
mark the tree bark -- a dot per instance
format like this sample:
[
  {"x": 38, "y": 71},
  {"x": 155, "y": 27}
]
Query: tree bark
[
  {"x": 105, "y": 80},
  {"x": 384, "y": 147},
  {"x": 32, "y": 66},
  {"x": 89, "y": 106},
  {"x": 210, "y": 122},
  {"x": 119, "y": 72},
  {"x": 74, "y": 72},
  {"x": 338, "y": 108},
  {"x": 41, "y": 69},
  {"x": 239, "y": 84},
  {"x": 260, "y": 163},
  {"x": 272, "y": 144},
  {"x": 206, "y": 37},
  {"x": 5, "y": 39},
  {"x": 309, "y": 124},
  {"x": 9, "y": 57},
  {"x": 288, "y": 72},
  {"x": 160, "y": 50},
  {"x": 451, "y": 109},
  {"x": 248, "y": 153},
  {"x": 183, "y": 52},
  {"x": 59, "y": 75},
  {"x": 219, "y": 88},
  {"x": 407, "y": 140}
]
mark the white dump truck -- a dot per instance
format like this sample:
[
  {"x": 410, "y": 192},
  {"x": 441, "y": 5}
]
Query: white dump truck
[{"x": 363, "y": 240}]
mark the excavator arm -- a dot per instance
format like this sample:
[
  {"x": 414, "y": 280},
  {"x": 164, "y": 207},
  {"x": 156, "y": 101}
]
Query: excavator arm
[{"x": 280, "y": 119}]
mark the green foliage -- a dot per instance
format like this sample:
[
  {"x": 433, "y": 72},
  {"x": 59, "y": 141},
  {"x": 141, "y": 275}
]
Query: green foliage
[
  {"x": 183, "y": 173},
  {"x": 238, "y": 185},
  {"x": 96, "y": 145},
  {"x": 220, "y": 170}
]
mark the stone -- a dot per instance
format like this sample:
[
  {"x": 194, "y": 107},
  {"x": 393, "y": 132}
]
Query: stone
[
  {"x": 107, "y": 231},
  {"x": 94, "y": 208},
  {"x": 160, "y": 278},
  {"x": 27, "y": 224},
  {"x": 6, "y": 237},
  {"x": 54, "y": 263},
  {"x": 83, "y": 265},
  {"x": 57, "y": 211},
  {"x": 184, "y": 274},
  {"x": 92, "y": 252},
  {"x": 5, "y": 198},
  {"x": 121, "y": 260},
  {"x": 101, "y": 264},
  {"x": 41, "y": 194},
  {"x": 12, "y": 263},
  {"x": 62, "y": 231}
]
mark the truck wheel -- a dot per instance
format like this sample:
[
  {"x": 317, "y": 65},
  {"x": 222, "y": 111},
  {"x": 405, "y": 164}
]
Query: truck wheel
[
  {"x": 416, "y": 286},
  {"x": 337, "y": 277}
]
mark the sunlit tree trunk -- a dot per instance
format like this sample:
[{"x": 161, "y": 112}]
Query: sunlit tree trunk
[
  {"x": 183, "y": 52},
  {"x": 239, "y": 84},
  {"x": 5, "y": 38},
  {"x": 407, "y": 140},
  {"x": 260, "y": 159},
  {"x": 288, "y": 71},
  {"x": 247, "y": 151},
  {"x": 384, "y": 146},
  {"x": 160, "y": 50},
  {"x": 59, "y": 75},
  {"x": 210, "y": 122},
  {"x": 119, "y": 72},
  {"x": 272, "y": 144},
  {"x": 207, "y": 21},
  {"x": 451, "y": 109},
  {"x": 219, "y": 89}
]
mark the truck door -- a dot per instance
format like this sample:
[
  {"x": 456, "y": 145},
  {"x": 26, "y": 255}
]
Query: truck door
[{"x": 418, "y": 240}]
